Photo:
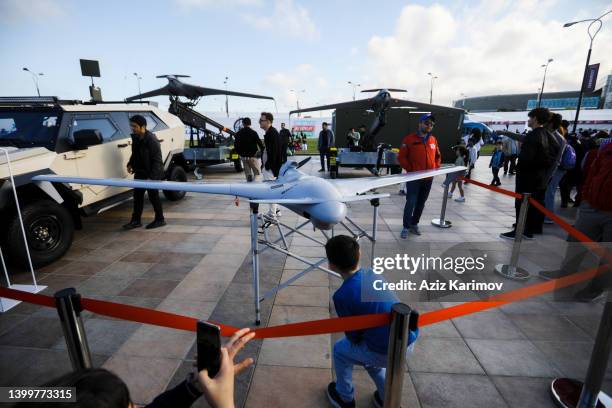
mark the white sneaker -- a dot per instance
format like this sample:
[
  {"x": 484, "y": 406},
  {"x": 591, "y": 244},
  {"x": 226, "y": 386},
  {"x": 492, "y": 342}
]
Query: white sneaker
[
  {"x": 460, "y": 199},
  {"x": 450, "y": 195}
]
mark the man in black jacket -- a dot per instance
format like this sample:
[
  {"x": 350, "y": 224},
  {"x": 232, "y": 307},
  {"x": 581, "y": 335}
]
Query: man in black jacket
[
  {"x": 538, "y": 153},
  {"x": 145, "y": 163},
  {"x": 285, "y": 136},
  {"x": 247, "y": 145},
  {"x": 272, "y": 156},
  {"x": 326, "y": 141}
]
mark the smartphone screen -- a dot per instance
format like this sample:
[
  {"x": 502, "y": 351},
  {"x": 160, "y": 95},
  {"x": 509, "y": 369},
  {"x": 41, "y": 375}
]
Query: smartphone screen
[{"x": 209, "y": 348}]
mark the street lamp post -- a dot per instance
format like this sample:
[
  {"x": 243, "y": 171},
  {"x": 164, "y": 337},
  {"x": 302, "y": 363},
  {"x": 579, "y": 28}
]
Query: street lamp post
[
  {"x": 354, "y": 87},
  {"x": 598, "y": 23},
  {"x": 226, "y": 98},
  {"x": 431, "y": 87},
  {"x": 34, "y": 78},
  {"x": 138, "y": 78},
  {"x": 545, "y": 66},
  {"x": 297, "y": 98},
  {"x": 463, "y": 96}
]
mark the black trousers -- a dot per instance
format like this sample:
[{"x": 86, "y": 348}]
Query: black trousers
[
  {"x": 323, "y": 154},
  {"x": 139, "y": 203},
  {"x": 496, "y": 179},
  {"x": 511, "y": 161},
  {"x": 535, "y": 218}
]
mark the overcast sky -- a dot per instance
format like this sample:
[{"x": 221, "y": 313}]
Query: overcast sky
[{"x": 272, "y": 46}]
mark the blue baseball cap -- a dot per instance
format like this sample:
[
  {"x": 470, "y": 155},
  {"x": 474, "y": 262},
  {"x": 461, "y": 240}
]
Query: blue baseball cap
[{"x": 427, "y": 116}]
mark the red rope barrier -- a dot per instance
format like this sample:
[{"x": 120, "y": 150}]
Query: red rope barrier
[
  {"x": 492, "y": 188},
  {"x": 339, "y": 324}
]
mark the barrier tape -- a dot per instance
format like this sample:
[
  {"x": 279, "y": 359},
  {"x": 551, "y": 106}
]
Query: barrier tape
[
  {"x": 338, "y": 324},
  {"x": 492, "y": 188},
  {"x": 314, "y": 327},
  {"x": 578, "y": 235}
]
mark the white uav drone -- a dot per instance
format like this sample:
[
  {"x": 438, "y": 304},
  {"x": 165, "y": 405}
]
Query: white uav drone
[{"x": 321, "y": 201}]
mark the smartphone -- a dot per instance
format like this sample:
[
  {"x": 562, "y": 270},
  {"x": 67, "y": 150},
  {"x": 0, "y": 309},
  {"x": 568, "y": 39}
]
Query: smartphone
[{"x": 209, "y": 348}]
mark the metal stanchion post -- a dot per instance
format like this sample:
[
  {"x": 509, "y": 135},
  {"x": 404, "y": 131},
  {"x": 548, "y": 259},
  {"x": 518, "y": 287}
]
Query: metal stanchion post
[
  {"x": 442, "y": 222},
  {"x": 570, "y": 393},
  {"x": 396, "y": 354},
  {"x": 375, "y": 203},
  {"x": 68, "y": 304},
  {"x": 512, "y": 271},
  {"x": 255, "y": 255}
]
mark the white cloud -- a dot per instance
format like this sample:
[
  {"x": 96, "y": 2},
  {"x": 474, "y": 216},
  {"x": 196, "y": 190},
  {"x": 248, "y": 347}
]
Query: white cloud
[
  {"x": 287, "y": 18},
  {"x": 497, "y": 47},
  {"x": 16, "y": 11},
  {"x": 301, "y": 77}
]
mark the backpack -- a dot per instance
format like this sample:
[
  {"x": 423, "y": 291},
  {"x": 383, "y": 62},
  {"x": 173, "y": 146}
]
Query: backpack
[{"x": 568, "y": 159}]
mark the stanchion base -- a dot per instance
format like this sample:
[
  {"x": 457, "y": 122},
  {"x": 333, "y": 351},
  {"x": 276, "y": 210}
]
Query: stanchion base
[
  {"x": 514, "y": 273},
  {"x": 7, "y": 304},
  {"x": 441, "y": 224},
  {"x": 566, "y": 393}
]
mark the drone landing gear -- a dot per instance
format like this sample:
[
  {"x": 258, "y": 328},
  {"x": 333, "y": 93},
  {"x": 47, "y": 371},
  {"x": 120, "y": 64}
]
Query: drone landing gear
[{"x": 261, "y": 240}]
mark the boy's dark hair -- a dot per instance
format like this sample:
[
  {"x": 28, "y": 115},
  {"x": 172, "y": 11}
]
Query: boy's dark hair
[
  {"x": 463, "y": 152},
  {"x": 95, "y": 388},
  {"x": 268, "y": 116},
  {"x": 325, "y": 123},
  {"x": 555, "y": 121},
  {"x": 246, "y": 121},
  {"x": 343, "y": 252},
  {"x": 542, "y": 115},
  {"x": 139, "y": 120}
]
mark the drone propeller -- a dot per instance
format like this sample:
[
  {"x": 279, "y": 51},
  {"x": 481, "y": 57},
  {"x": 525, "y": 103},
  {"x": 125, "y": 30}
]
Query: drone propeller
[
  {"x": 176, "y": 88},
  {"x": 173, "y": 76},
  {"x": 384, "y": 89}
]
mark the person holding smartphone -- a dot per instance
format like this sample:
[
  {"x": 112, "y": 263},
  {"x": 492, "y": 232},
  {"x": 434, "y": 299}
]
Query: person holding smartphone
[{"x": 98, "y": 386}]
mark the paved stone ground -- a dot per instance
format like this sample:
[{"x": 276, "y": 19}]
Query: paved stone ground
[{"x": 199, "y": 265}]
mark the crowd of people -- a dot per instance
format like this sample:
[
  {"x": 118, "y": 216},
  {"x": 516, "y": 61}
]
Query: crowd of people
[{"x": 544, "y": 159}]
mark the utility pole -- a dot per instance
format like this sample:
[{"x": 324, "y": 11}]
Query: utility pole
[
  {"x": 354, "y": 87},
  {"x": 226, "y": 98},
  {"x": 34, "y": 78},
  {"x": 545, "y": 66},
  {"x": 433, "y": 77},
  {"x": 597, "y": 23},
  {"x": 138, "y": 78}
]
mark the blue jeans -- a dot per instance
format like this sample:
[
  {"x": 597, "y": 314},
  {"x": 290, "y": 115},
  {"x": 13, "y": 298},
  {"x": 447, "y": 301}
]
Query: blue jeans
[
  {"x": 416, "y": 194},
  {"x": 551, "y": 189},
  {"x": 348, "y": 354}
]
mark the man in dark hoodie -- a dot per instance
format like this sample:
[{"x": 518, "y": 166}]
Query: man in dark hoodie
[
  {"x": 146, "y": 164},
  {"x": 538, "y": 154}
]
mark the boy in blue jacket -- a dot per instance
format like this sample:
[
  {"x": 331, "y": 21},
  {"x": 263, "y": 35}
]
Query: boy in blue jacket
[
  {"x": 497, "y": 162},
  {"x": 368, "y": 347}
]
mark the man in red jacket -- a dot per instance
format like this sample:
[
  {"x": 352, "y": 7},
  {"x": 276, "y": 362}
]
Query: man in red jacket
[
  {"x": 595, "y": 221},
  {"x": 419, "y": 151}
]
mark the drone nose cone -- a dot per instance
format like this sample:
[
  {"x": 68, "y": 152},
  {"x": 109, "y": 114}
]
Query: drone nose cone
[{"x": 325, "y": 215}]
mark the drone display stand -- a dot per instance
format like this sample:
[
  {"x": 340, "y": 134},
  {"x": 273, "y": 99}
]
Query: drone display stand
[
  {"x": 7, "y": 304},
  {"x": 261, "y": 241}
]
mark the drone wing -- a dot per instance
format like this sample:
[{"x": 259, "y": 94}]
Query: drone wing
[
  {"x": 203, "y": 91},
  {"x": 361, "y": 104},
  {"x": 164, "y": 90},
  {"x": 350, "y": 188},
  {"x": 247, "y": 190}
]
